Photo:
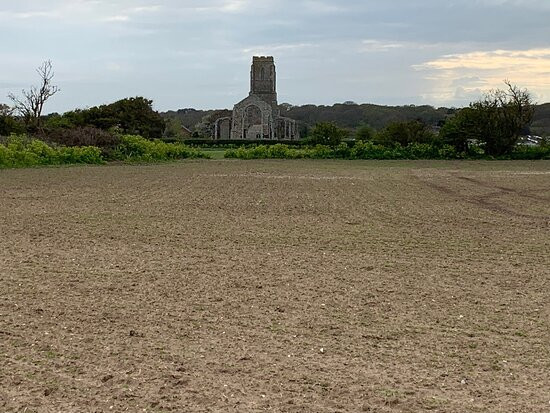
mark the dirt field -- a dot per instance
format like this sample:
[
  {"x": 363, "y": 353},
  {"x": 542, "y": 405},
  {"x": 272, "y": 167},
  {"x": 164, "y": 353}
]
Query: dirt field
[{"x": 285, "y": 286}]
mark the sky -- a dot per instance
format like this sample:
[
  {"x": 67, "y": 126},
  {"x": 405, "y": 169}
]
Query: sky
[{"x": 197, "y": 53}]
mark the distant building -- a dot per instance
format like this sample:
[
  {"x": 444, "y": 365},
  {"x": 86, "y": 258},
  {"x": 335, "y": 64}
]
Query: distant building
[
  {"x": 186, "y": 132},
  {"x": 258, "y": 117}
]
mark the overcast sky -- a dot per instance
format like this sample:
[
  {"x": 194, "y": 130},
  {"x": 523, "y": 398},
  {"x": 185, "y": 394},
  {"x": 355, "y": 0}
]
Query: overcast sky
[{"x": 197, "y": 53}]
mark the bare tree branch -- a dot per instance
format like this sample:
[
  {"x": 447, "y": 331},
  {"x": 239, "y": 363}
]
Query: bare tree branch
[{"x": 30, "y": 106}]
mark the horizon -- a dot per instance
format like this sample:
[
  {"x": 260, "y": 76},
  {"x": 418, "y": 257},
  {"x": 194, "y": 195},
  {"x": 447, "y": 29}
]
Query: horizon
[
  {"x": 351, "y": 103},
  {"x": 197, "y": 54}
]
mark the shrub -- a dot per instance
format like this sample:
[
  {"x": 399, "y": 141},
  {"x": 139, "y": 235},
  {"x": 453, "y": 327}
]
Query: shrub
[
  {"x": 81, "y": 155},
  {"x": 531, "y": 152},
  {"x": 342, "y": 151},
  {"x": 365, "y": 133},
  {"x": 130, "y": 116},
  {"x": 279, "y": 151},
  {"x": 449, "y": 152},
  {"x": 366, "y": 150},
  {"x": 320, "y": 152},
  {"x": 360, "y": 150},
  {"x": 83, "y": 136},
  {"x": 327, "y": 133},
  {"x": 19, "y": 152},
  {"x": 135, "y": 148},
  {"x": 405, "y": 133},
  {"x": 9, "y": 125}
]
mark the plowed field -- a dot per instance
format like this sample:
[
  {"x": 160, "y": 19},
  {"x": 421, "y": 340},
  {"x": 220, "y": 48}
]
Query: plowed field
[{"x": 285, "y": 286}]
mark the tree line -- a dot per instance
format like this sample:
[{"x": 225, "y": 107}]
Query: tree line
[
  {"x": 493, "y": 123},
  {"x": 350, "y": 116}
]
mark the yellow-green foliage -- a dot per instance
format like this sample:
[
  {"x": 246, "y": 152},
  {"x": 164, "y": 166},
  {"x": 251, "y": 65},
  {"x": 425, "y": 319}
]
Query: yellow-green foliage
[
  {"x": 136, "y": 148},
  {"x": 369, "y": 150},
  {"x": 19, "y": 152},
  {"x": 359, "y": 150}
]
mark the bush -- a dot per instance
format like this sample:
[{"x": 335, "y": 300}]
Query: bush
[
  {"x": 365, "y": 133},
  {"x": 83, "y": 136},
  {"x": 320, "y": 152},
  {"x": 19, "y": 152},
  {"x": 327, "y": 133},
  {"x": 366, "y": 150},
  {"x": 531, "y": 152},
  {"x": 360, "y": 150},
  {"x": 137, "y": 149},
  {"x": 406, "y": 133},
  {"x": 130, "y": 116},
  {"x": 9, "y": 125},
  {"x": 342, "y": 151},
  {"x": 81, "y": 155}
]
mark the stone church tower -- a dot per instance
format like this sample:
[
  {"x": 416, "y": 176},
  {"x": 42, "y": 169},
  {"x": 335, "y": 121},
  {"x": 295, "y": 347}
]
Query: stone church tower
[
  {"x": 258, "y": 117},
  {"x": 263, "y": 80}
]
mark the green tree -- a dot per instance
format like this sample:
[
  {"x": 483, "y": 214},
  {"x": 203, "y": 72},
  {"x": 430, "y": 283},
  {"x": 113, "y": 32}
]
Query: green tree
[
  {"x": 404, "y": 133},
  {"x": 500, "y": 117},
  {"x": 496, "y": 121},
  {"x": 461, "y": 129},
  {"x": 174, "y": 130},
  {"x": 365, "y": 133},
  {"x": 327, "y": 133},
  {"x": 133, "y": 116},
  {"x": 8, "y": 123}
]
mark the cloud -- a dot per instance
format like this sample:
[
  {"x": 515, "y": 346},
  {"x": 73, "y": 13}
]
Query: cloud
[
  {"x": 146, "y": 9},
  {"x": 468, "y": 81},
  {"x": 234, "y": 5},
  {"x": 34, "y": 14},
  {"x": 323, "y": 7},
  {"x": 268, "y": 50},
  {"x": 388, "y": 52},
  {"x": 114, "y": 67},
  {"x": 119, "y": 18},
  {"x": 458, "y": 75},
  {"x": 371, "y": 45},
  {"x": 525, "y": 60}
]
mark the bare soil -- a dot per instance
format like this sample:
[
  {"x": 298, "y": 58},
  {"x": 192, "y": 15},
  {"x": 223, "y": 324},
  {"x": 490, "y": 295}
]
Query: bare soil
[{"x": 285, "y": 286}]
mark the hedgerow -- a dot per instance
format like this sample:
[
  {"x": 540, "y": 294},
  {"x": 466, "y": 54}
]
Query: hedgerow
[
  {"x": 137, "y": 149},
  {"x": 370, "y": 150},
  {"x": 531, "y": 152},
  {"x": 359, "y": 150},
  {"x": 20, "y": 151}
]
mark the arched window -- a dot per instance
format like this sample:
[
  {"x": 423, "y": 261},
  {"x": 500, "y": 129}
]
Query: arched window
[{"x": 262, "y": 73}]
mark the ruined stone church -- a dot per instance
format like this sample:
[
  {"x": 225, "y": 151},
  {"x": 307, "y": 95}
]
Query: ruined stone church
[{"x": 258, "y": 117}]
